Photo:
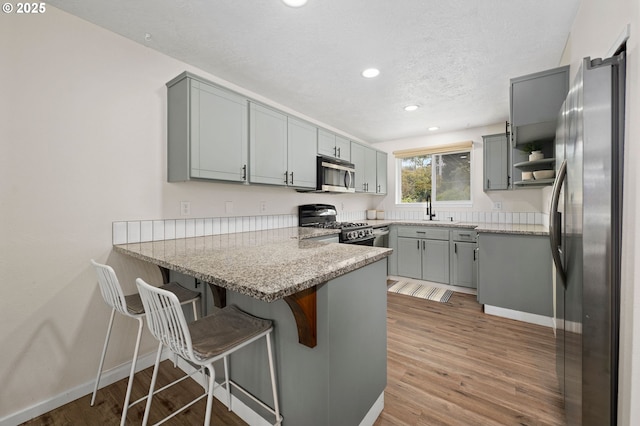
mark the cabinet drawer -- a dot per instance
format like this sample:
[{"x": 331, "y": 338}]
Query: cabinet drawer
[
  {"x": 423, "y": 232},
  {"x": 463, "y": 235}
]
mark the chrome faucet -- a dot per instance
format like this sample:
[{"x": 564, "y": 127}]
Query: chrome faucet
[{"x": 430, "y": 212}]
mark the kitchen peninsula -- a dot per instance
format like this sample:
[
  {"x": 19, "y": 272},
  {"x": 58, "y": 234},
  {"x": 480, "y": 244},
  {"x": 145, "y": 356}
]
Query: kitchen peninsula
[{"x": 328, "y": 303}]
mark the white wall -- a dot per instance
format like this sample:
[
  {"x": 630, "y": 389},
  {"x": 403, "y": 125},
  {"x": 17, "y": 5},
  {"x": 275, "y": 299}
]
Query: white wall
[
  {"x": 83, "y": 144},
  {"x": 595, "y": 30},
  {"x": 521, "y": 200}
]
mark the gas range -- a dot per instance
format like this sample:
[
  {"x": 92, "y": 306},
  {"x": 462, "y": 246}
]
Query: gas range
[{"x": 324, "y": 216}]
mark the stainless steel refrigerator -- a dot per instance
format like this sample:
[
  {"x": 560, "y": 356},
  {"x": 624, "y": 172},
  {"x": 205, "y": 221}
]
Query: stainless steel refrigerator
[{"x": 585, "y": 231}]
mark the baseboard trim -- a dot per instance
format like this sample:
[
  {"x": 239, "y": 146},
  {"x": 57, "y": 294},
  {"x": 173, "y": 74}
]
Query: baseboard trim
[
  {"x": 374, "y": 411},
  {"x": 519, "y": 316},
  {"x": 108, "y": 377}
]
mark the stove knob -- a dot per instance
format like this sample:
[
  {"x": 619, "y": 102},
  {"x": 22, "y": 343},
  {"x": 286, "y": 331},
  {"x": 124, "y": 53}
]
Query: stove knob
[
  {"x": 361, "y": 233},
  {"x": 351, "y": 235}
]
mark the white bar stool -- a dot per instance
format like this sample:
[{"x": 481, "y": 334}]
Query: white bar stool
[
  {"x": 203, "y": 342},
  {"x": 131, "y": 306}
]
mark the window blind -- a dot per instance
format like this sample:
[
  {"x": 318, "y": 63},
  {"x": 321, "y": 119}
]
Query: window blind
[{"x": 436, "y": 149}]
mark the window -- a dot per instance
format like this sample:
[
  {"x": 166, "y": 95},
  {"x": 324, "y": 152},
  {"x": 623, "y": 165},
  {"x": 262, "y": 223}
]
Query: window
[{"x": 443, "y": 174}]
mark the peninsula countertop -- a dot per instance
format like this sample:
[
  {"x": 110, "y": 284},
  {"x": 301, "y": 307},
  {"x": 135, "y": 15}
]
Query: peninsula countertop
[{"x": 267, "y": 265}]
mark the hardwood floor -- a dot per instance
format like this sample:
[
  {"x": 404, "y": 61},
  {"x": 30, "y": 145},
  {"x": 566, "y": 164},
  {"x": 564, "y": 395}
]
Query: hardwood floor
[
  {"x": 451, "y": 364},
  {"x": 108, "y": 407},
  {"x": 448, "y": 364}
]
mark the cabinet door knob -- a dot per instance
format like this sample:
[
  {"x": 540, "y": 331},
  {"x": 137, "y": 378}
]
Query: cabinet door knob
[
  {"x": 244, "y": 172},
  {"x": 339, "y": 156},
  {"x": 291, "y": 177},
  {"x": 286, "y": 177}
]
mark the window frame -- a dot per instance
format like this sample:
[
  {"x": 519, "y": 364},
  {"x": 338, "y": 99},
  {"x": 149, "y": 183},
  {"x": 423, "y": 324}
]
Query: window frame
[{"x": 434, "y": 202}]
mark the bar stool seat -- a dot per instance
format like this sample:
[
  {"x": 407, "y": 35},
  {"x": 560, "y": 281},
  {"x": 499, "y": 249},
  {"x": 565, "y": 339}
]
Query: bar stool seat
[
  {"x": 131, "y": 306},
  {"x": 202, "y": 343}
]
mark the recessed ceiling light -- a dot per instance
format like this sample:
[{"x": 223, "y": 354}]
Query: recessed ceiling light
[
  {"x": 370, "y": 72},
  {"x": 411, "y": 107},
  {"x": 295, "y": 3},
  {"x": 433, "y": 128}
]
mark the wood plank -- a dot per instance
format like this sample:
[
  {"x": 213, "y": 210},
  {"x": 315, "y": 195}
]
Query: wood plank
[
  {"x": 448, "y": 364},
  {"x": 461, "y": 366}
]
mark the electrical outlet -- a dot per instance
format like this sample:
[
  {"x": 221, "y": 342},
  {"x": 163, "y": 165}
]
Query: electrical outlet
[
  {"x": 185, "y": 208},
  {"x": 263, "y": 206},
  {"x": 497, "y": 205},
  {"x": 228, "y": 207}
]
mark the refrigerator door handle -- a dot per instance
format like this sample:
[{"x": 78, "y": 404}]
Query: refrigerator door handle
[{"x": 555, "y": 231}]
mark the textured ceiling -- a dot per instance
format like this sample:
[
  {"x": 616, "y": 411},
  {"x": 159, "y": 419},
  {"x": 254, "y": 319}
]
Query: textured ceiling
[{"x": 454, "y": 57}]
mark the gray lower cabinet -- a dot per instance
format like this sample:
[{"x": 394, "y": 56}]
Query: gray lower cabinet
[
  {"x": 464, "y": 259},
  {"x": 463, "y": 264},
  {"x": 495, "y": 154},
  {"x": 207, "y": 131},
  {"x": 515, "y": 272},
  {"x": 423, "y": 258}
]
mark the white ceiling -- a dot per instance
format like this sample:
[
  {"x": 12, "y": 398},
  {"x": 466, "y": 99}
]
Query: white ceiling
[{"x": 452, "y": 57}]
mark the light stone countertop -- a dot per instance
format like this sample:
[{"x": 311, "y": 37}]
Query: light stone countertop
[
  {"x": 496, "y": 228},
  {"x": 267, "y": 265}
]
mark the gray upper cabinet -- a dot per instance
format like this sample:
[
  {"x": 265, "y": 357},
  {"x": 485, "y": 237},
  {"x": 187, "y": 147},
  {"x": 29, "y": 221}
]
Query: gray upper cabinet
[
  {"x": 267, "y": 146},
  {"x": 332, "y": 145},
  {"x": 283, "y": 149},
  {"x": 302, "y": 143},
  {"x": 365, "y": 161},
  {"x": 207, "y": 131},
  {"x": 495, "y": 153},
  {"x": 535, "y": 102},
  {"x": 381, "y": 172}
]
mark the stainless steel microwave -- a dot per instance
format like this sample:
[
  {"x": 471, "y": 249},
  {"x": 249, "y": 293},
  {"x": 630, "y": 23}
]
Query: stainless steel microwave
[{"x": 335, "y": 175}]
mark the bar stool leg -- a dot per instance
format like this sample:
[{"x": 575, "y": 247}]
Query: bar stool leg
[
  {"x": 276, "y": 406},
  {"x": 212, "y": 378},
  {"x": 104, "y": 352},
  {"x": 226, "y": 382},
  {"x": 154, "y": 376},
  {"x": 123, "y": 419}
]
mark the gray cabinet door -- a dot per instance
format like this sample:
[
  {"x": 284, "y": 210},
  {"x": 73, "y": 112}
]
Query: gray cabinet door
[
  {"x": 381, "y": 172},
  {"x": 343, "y": 148},
  {"x": 207, "y": 132},
  {"x": 495, "y": 152},
  {"x": 535, "y": 104},
  {"x": 409, "y": 257},
  {"x": 358, "y": 158},
  {"x": 365, "y": 161},
  {"x": 301, "y": 153},
  {"x": 515, "y": 273},
  {"x": 267, "y": 146},
  {"x": 463, "y": 264},
  {"x": 327, "y": 143},
  {"x": 435, "y": 260},
  {"x": 332, "y": 145},
  {"x": 370, "y": 175}
]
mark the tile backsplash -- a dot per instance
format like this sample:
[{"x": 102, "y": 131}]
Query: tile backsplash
[{"x": 125, "y": 232}]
